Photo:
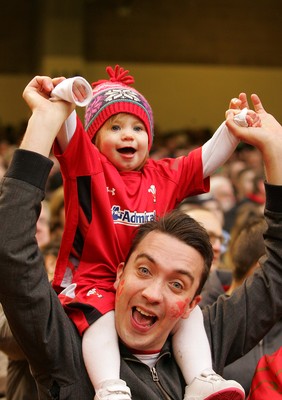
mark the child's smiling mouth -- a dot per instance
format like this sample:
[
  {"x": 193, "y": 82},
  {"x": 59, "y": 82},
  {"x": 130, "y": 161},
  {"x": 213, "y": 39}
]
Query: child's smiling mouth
[{"x": 127, "y": 150}]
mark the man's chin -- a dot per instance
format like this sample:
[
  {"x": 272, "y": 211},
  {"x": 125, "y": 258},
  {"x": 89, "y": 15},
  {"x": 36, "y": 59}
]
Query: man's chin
[
  {"x": 134, "y": 343},
  {"x": 141, "y": 343}
]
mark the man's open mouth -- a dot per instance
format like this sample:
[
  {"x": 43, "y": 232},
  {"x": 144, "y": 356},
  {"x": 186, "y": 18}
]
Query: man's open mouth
[
  {"x": 143, "y": 318},
  {"x": 127, "y": 150}
]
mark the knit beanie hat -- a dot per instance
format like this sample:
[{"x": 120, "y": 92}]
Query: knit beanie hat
[{"x": 114, "y": 96}]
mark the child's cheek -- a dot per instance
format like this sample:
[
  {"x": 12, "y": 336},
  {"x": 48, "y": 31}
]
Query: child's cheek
[{"x": 178, "y": 309}]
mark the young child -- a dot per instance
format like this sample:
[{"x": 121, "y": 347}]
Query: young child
[{"x": 111, "y": 186}]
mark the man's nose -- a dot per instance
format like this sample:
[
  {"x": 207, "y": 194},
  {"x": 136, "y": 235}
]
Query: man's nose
[
  {"x": 216, "y": 245},
  {"x": 153, "y": 292}
]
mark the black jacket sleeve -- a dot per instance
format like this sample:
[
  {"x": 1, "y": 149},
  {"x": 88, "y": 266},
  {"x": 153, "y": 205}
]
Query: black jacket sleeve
[
  {"x": 37, "y": 320},
  {"x": 237, "y": 323}
]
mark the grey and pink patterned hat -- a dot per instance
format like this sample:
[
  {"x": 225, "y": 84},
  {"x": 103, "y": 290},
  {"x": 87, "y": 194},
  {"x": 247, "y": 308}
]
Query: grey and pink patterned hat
[{"x": 115, "y": 96}]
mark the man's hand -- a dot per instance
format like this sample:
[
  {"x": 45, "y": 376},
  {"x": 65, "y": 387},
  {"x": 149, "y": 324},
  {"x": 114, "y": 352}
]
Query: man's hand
[
  {"x": 47, "y": 116},
  {"x": 241, "y": 104},
  {"x": 267, "y": 137},
  {"x": 37, "y": 96}
]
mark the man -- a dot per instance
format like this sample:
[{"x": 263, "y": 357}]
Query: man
[
  {"x": 209, "y": 220},
  {"x": 222, "y": 190},
  {"x": 157, "y": 286},
  {"x": 218, "y": 278}
]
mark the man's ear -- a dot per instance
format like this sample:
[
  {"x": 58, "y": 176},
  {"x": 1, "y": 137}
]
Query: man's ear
[
  {"x": 191, "y": 306},
  {"x": 120, "y": 269}
]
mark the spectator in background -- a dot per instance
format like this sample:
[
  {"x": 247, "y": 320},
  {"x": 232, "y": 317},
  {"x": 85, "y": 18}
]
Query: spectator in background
[
  {"x": 244, "y": 183},
  {"x": 3, "y": 369},
  {"x": 57, "y": 211},
  {"x": 251, "y": 156},
  {"x": 219, "y": 278},
  {"x": 232, "y": 168},
  {"x": 55, "y": 179},
  {"x": 245, "y": 213},
  {"x": 2, "y": 167},
  {"x": 267, "y": 380},
  {"x": 213, "y": 226},
  {"x": 249, "y": 190},
  {"x": 43, "y": 225},
  {"x": 206, "y": 201},
  {"x": 50, "y": 254},
  {"x": 222, "y": 190}
]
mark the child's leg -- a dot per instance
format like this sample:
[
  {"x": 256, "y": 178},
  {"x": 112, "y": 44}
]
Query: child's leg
[
  {"x": 102, "y": 358},
  {"x": 192, "y": 353},
  {"x": 191, "y": 347}
]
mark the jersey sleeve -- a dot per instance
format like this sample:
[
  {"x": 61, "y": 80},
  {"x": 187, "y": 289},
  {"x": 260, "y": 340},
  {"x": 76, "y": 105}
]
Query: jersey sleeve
[
  {"x": 185, "y": 175},
  {"x": 81, "y": 157}
]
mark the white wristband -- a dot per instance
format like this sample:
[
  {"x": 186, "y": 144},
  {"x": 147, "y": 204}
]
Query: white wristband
[{"x": 63, "y": 91}]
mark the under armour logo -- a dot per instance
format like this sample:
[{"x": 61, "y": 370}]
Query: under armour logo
[{"x": 113, "y": 191}]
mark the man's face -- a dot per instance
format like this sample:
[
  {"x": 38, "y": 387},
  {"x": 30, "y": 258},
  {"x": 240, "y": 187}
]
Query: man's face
[
  {"x": 43, "y": 228},
  {"x": 155, "y": 290}
]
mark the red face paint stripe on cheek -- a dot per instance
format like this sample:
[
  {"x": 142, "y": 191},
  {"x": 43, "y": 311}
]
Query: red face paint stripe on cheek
[
  {"x": 120, "y": 288},
  {"x": 178, "y": 309}
]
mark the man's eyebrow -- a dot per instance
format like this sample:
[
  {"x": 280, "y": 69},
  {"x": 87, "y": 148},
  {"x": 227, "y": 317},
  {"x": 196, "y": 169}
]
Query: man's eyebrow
[
  {"x": 145, "y": 255},
  {"x": 180, "y": 271}
]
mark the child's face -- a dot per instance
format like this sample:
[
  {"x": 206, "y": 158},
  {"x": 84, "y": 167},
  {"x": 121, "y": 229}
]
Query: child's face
[{"x": 124, "y": 141}]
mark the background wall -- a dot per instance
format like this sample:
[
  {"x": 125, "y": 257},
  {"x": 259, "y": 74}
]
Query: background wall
[{"x": 189, "y": 57}]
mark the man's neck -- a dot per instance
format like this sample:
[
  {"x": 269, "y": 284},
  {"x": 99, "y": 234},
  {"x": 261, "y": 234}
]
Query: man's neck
[
  {"x": 149, "y": 359},
  {"x": 142, "y": 352}
]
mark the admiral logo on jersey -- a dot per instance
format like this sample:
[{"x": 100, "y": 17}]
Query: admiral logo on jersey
[{"x": 127, "y": 217}]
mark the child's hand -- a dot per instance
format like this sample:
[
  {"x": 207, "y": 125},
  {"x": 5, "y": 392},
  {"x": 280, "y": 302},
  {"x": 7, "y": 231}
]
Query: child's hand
[
  {"x": 74, "y": 90},
  {"x": 253, "y": 119},
  {"x": 242, "y": 114},
  {"x": 80, "y": 91}
]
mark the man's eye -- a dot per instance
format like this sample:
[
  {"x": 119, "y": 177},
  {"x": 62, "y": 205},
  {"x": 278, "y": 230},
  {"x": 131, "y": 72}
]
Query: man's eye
[
  {"x": 144, "y": 270},
  {"x": 177, "y": 285}
]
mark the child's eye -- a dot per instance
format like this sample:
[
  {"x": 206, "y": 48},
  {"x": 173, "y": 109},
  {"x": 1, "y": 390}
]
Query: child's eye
[
  {"x": 138, "y": 128},
  {"x": 115, "y": 127}
]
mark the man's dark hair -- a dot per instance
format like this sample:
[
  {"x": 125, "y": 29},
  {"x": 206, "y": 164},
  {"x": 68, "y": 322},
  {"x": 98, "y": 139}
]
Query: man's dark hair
[{"x": 184, "y": 228}]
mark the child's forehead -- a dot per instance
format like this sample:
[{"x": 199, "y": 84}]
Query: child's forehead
[{"x": 120, "y": 117}]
